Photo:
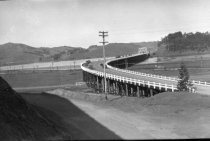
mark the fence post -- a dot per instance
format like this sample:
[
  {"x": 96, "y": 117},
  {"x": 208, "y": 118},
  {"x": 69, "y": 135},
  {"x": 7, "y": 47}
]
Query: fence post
[
  {"x": 172, "y": 88},
  {"x": 166, "y": 87}
]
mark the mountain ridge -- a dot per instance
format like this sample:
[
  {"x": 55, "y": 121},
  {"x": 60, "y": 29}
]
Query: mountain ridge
[{"x": 18, "y": 53}]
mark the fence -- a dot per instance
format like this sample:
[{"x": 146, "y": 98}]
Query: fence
[
  {"x": 152, "y": 75},
  {"x": 130, "y": 80}
]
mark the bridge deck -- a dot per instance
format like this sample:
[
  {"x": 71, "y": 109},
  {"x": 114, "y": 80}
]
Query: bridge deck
[{"x": 97, "y": 66}]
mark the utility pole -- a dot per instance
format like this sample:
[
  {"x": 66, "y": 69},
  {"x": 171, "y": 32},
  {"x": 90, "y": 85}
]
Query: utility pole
[
  {"x": 104, "y": 34},
  {"x": 74, "y": 64}
]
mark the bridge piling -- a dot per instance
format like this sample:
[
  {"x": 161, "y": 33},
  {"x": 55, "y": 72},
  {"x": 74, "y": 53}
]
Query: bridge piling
[
  {"x": 132, "y": 91},
  {"x": 151, "y": 91},
  {"x": 97, "y": 84},
  {"x": 102, "y": 83},
  {"x": 108, "y": 86},
  {"x": 113, "y": 85},
  {"x": 143, "y": 92},
  {"x": 117, "y": 88},
  {"x": 122, "y": 90},
  {"x": 126, "y": 89},
  {"x": 138, "y": 91}
]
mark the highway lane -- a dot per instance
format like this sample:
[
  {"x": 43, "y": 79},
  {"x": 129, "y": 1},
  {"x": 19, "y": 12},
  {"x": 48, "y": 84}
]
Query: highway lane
[
  {"x": 201, "y": 89},
  {"x": 98, "y": 67}
]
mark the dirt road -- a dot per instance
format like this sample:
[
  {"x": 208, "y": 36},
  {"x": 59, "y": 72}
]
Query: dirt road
[
  {"x": 126, "y": 125},
  {"x": 165, "y": 116}
]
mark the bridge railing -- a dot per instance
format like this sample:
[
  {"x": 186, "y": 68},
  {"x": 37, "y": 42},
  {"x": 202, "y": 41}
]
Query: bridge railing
[
  {"x": 152, "y": 75},
  {"x": 130, "y": 80}
]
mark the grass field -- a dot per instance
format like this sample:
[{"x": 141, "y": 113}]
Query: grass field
[{"x": 42, "y": 78}]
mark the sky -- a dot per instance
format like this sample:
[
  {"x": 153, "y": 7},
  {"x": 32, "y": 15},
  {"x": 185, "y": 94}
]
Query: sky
[{"x": 51, "y": 23}]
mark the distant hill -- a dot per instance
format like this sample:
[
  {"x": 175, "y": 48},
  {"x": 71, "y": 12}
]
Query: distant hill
[
  {"x": 116, "y": 49},
  {"x": 16, "y": 53},
  {"x": 178, "y": 43}
]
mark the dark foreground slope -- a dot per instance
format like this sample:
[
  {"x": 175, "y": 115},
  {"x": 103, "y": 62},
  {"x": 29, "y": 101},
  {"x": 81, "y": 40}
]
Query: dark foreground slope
[
  {"x": 41, "y": 116},
  {"x": 20, "y": 120}
]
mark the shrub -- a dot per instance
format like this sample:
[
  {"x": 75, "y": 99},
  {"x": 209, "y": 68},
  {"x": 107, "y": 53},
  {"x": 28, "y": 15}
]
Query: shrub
[{"x": 183, "y": 83}]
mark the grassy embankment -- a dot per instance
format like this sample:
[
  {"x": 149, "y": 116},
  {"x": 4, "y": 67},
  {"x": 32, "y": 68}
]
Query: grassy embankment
[{"x": 42, "y": 78}]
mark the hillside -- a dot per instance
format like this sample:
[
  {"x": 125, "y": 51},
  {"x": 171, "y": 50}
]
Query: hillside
[
  {"x": 178, "y": 43},
  {"x": 116, "y": 49},
  {"x": 14, "y": 53}
]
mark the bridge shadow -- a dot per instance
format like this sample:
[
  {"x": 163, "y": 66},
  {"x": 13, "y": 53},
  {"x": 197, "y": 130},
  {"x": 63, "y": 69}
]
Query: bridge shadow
[{"x": 78, "y": 123}]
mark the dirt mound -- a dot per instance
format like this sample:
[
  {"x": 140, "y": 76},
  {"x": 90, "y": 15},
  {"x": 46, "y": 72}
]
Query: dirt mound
[
  {"x": 20, "y": 120},
  {"x": 168, "y": 104},
  {"x": 183, "y": 99}
]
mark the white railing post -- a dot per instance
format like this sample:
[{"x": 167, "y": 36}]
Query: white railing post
[
  {"x": 172, "y": 88},
  {"x": 166, "y": 87}
]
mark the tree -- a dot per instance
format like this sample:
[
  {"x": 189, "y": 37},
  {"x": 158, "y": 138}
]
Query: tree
[
  {"x": 40, "y": 59},
  {"x": 178, "y": 42},
  {"x": 56, "y": 57},
  {"x": 184, "y": 77},
  {"x": 87, "y": 62}
]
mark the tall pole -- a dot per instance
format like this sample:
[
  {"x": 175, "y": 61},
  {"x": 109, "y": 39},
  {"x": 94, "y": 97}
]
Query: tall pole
[
  {"x": 103, "y": 34},
  {"x": 74, "y": 64}
]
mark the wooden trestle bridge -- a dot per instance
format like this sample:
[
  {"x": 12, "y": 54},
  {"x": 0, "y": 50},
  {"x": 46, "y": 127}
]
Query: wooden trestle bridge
[{"x": 121, "y": 81}]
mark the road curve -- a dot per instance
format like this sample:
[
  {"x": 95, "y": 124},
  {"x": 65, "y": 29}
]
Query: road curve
[{"x": 134, "y": 78}]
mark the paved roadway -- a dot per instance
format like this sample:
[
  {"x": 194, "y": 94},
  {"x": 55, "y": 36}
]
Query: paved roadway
[{"x": 96, "y": 65}]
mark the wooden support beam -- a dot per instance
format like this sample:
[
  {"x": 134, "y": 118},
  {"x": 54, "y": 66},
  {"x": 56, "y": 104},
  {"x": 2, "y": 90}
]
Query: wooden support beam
[
  {"x": 122, "y": 93},
  {"x": 108, "y": 85},
  {"x": 132, "y": 91},
  {"x": 126, "y": 89},
  {"x": 143, "y": 92},
  {"x": 102, "y": 82},
  {"x": 119, "y": 89},
  {"x": 116, "y": 88},
  {"x": 97, "y": 83},
  {"x": 138, "y": 91},
  {"x": 151, "y": 92}
]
